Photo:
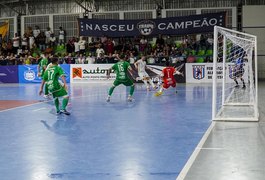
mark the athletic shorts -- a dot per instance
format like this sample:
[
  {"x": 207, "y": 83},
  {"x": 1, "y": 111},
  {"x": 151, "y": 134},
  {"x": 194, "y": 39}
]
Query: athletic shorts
[
  {"x": 169, "y": 83},
  {"x": 59, "y": 92},
  {"x": 127, "y": 82},
  {"x": 143, "y": 75}
]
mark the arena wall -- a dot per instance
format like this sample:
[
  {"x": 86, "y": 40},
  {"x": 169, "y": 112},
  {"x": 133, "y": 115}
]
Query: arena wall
[{"x": 254, "y": 23}]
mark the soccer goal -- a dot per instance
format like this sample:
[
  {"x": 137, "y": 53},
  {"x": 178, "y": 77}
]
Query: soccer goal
[{"x": 235, "y": 81}]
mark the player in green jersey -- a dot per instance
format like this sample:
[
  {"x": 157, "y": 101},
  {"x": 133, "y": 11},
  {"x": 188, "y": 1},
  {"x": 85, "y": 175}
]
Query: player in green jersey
[
  {"x": 42, "y": 66},
  {"x": 51, "y": 79},
  {"x": 121, "y": 69}
]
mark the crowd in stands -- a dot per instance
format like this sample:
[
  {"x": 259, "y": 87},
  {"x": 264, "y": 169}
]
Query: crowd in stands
[{"x": 83, "y": 50}]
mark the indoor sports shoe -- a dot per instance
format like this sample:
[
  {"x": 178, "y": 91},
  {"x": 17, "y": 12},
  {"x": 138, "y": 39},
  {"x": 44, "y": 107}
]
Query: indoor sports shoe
[
  {"x": 58, "y": 112},
  {"x": 108, "y": 99},
  {"x": 65, "y": 112},
  {"x": 129, "y": 99},
  {"x": 158, "y": 93}
]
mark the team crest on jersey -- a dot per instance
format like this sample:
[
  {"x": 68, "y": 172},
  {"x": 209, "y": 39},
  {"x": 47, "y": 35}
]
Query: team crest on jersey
[
  {"x": 146, "y": 27},
  {"x": 77, "y": 72},
  {"x": 198, "y": 71},
  {"x": 29, "y": 75}
]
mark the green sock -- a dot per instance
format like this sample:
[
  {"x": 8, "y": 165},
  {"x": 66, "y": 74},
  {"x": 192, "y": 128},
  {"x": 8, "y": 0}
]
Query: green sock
[
  {"x": 56, "y": 102},
  {"x": 131, "y": 90},
  {"x": 111, "y": 90},
  {"x": 65, "y": 102}
]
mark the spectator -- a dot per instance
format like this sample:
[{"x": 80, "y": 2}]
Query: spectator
[
  {"x": 109, "y": 47},
  {"x": 48, "y": 33},
  {"x": 77, "y": 47},
  {"x": 52, "y": 41},
  {"x": 42, "y": 40},
  {"x": 31, "y": 41},
  {"x": 82, "y": 45},
  {"x": 143, "y": 44},
  {"x": 61, "y": 36},
  {"x": 36, "y": 32},
  {"x": 16, "y": 43},
  {"x": 24, "y": 42},
  {"x": 70, "y": 47},
  {"x": 100, "y": 54},
  {"x": 160, "y": 40}
]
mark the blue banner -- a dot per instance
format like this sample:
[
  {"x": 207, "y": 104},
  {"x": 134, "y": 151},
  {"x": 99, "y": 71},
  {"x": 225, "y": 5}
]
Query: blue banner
[
  {"x": 193, "y": 24},
  {"x": 8, "y": 74},
  {"x": 29, "y": 73}
]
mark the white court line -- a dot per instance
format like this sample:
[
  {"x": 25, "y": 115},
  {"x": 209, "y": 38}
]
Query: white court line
[
  {"x": 211, "y": 148},
  {"x": 195, "y": 153},
  {"x": 39, "y": 109}
]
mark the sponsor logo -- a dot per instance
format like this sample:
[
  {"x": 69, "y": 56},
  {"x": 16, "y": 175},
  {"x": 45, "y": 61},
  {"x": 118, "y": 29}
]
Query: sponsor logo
[
  {"x": 198, "y": 71},
  {"x": 77, "y": 72},
  {"x": 29, "y": 75},
  {"x": 146, "y": 27}
]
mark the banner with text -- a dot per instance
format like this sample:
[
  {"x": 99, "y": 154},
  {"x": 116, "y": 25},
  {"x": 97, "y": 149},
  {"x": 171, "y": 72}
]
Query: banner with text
[
  {"x": 29, "y": 73},
  {"x": 203, "y": 72},
  {"x": 192, "y": 24},
  {"x": 82, "y": 73}
]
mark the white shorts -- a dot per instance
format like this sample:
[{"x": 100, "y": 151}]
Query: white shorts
[{"x": 143, "y": 75}]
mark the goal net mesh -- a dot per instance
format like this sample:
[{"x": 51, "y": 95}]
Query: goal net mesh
[{"x": 234, "y": 76}]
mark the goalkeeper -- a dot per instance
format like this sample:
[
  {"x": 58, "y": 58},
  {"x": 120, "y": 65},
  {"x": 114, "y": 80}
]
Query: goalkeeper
[{"x": 239, "y": 71}]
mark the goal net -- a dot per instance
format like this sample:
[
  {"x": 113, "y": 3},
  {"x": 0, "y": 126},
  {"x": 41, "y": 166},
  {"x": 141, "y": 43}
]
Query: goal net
[{"x": 234, "y": 76}]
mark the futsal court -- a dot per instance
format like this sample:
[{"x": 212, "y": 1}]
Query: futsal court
[{"x": 151, "y": 138}]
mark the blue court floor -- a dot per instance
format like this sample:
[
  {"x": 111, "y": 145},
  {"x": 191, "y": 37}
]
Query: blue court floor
[{"x": 150, "y": 138}]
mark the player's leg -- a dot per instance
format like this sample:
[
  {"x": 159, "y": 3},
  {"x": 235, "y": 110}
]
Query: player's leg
[
  {"x": 146, "y": 84},
  {"x": 242, "y": 80},
  {"x": 111, "y": 89},
  {"x": 235, "y": 79},
  {"x": 131, "y": 84},
  {"x": 63, "y": 93},
  {"x": 143, "y": 77},
  {"x": 57, "y": 104},
  {"x": 46, "y": 91},
  {"x": 162, "y": 88},
  {"x": 174, "y": 85},
  {"x": 241, "y": 77},
  {"x": 152, "y": 83}
]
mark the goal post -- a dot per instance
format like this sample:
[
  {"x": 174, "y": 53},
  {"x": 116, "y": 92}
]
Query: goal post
[{"x": 235, "y": 80}]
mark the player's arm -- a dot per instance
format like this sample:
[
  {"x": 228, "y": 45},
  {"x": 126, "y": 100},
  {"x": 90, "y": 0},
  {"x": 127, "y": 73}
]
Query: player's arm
[
  {"x": 38, "y": 67},
  {"x": 41, "y": 87},
  {"x": 129, "y": 70},
  {"x": 178, "y": 72},
  {"x": 136, "y": 64},
  {"x": 64, "y": 81}
]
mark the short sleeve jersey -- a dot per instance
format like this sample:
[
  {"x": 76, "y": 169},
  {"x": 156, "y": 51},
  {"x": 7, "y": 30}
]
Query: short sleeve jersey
[
  {"x": 239, "y": 63},
  {"x": 51, "y": 76},
  {"x": 120, "y": 69},
  {"x": 168, "y": 73},
  {"x": 141, "y": 65},
  {"x": 42, "y": 64}
]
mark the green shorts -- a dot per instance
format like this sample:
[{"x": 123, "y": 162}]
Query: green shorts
[
  {"x": 59, "y": 93},
  {"x": 127, "y": 82}
]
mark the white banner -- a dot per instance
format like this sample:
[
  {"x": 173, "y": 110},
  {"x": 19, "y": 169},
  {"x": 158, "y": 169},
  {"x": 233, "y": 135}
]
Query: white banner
[
  {"x": 203, "y": 72},
  {"x": 81, "y": 73}
]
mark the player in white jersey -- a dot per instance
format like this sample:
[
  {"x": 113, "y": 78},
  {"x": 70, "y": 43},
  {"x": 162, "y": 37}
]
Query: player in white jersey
[{"x": 141, "y": 66}]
